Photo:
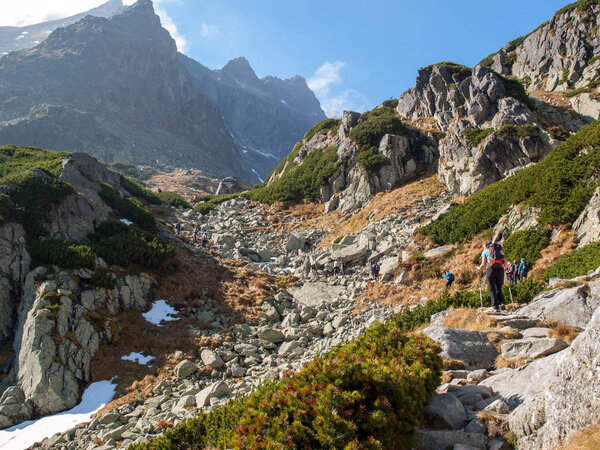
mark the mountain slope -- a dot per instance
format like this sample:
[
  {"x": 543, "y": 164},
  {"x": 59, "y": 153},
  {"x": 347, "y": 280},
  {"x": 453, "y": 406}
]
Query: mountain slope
[
  {"x": 265, "y": 116},
  {"x": 115, "y": 88},
  {"x": 19, "y": 38}
]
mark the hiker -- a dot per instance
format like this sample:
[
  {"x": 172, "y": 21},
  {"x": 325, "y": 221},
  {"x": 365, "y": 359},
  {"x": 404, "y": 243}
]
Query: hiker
[
  {"x": 178, "y": 228},
  {"x": 523, "y": 270},
  {"x": 158, "y": 190},
  {"x": 514, "y": 268},
  {"x": 196, "y": 232},
  {"x": 375, "y": 270},
  {"x": 492, "y": 258},
  {"x": 336, "y": 268},
  {"x": 204, "y": 238},
  {"x": 343, "y": 267},
  {"x": 195, "y": 199},
  {"x": 449, "y": 279},
  {"x": 509, "y": 272}
]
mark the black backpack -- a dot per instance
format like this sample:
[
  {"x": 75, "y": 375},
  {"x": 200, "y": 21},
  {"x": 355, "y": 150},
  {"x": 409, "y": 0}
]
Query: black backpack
[
  {"x": 451, "y": 277},
  {"x": 496, "y": 256}
]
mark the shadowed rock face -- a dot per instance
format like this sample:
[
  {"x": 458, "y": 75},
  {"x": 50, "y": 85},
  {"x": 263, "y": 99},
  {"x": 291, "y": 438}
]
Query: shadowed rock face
[
  {"x": 114, "y": 88},
  {"x": 266, "y": 116}
]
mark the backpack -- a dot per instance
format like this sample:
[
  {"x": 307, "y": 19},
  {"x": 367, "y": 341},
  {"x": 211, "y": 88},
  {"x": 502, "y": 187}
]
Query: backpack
[
  {"x": 524, "y": 268},
  {"x": 451, "y": 277},
  {"x": 496, "y": 256}
]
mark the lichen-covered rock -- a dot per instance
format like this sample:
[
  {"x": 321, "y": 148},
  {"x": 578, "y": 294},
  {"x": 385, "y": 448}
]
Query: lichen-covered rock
[{"x": 587, "y": 225}]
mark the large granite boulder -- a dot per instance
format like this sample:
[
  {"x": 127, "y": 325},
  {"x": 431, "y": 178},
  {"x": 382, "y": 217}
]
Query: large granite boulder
[{"x": 471, "y": 347}]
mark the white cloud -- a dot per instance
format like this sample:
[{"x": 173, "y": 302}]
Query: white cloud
[
  {"x": 28, "y": 12},
  {"x": 208, "y": 30},
  {"x": 325, "y": 76},
  {"x": 169, "y": 25},
  {"x": 333, "y": 101}
]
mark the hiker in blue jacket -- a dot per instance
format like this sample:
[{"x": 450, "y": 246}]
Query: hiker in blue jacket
[
  {"x": 449, "y": 279},
  {"x": 492, "y": 259},
  {"x": 523, "y": 269}
]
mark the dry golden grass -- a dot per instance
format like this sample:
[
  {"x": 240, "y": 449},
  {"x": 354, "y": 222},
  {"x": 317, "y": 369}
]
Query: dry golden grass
[
  {"x": 469, "y": 319},
  {"x": 565, "y": 243},
  {"x": 495, "y": 424},
  {"x": 564, "y": 332},
  {"x": 453, "y": 364},
  {"x": 585, "y": 440},
  {"x": 501, "y": 363}
]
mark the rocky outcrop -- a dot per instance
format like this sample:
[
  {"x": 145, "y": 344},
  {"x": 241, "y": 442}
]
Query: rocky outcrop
[
  {"x": 587, "y": 225},
  {"x": 516, "y": 219},
  {"x": 62, "y": 323},
  {"x": 14, "y": 266},
  {"x": 556, "y": 55},
  {"x": 463, "y": 101}
]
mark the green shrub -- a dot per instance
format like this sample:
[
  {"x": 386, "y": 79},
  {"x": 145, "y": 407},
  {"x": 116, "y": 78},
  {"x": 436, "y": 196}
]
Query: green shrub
[
  {"x": 581, "y": 6},
  {"x": 527, "y": 244},
  {"x": 173, "y": 199},
  {"x": 137, "y": 190},
  {"x": 515, "y": 89},
  {"x": 303, "y": 182},
  {"x": 126, "y": 169},
  {"x": 519, "y": 131},
  {"x": 17, "y": 160},
  {"x": 560, "y": 185},
  {"x": 390, "y": 103},
  {"x": 65, "y": 254},
  {"x": 458, "y": 71},
  {"x": 205, "y": 208},
  {"x": 476, "y": 135},
  {"x": 523, "y": 292},
  {"x": 129, "y": 208},
  {"x": 324, "y": 125},
  {"x": 103, "y": 278},
  {"x": 375, "y": 124},
  {"x": 119, "y": 244},
  {"x": 371, "y": 161},
  {"x": 370, "y": 393},
  {"x": 565, "y": 76},
  {"x": 576, "y": 263}
]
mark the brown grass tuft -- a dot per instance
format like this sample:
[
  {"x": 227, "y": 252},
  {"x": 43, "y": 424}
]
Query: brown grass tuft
[
  {"x": 501, "y": 363},
  {"x": 469, "y": 319},
  {"x": 163, "y": 425},
  {"x": 495, "y": 424},
  {"x": 564, "y": 332},
  {"x": 588, "y": 439},
  {"x": 453, "y": 364}
]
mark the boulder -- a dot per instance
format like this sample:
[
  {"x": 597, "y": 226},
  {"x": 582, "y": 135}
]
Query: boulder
[
  {"x": 270, "y": 312},
  {"x": 573, "y": 306},
  {"x": 531, "y": 348},
  {"x": 271, "y": 335},
  {"x": 295, "y": 242},
  {"x": 215, "y": 390},
  {"x": 438, "y": 251},
  {"x": 446, "y": 411},
  {"x": 470, "y": 347},
  {"x": 316, "y": 293},
  {"x": 185, "y": 369},
  {"x": 442, "y": 439},
  {"x": 587, "y": 225},
  {"x": 211, "y": 359}
]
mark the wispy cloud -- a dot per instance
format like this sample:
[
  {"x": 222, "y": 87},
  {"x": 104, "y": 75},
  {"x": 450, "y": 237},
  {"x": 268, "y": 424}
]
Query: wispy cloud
[
  {"x": 208, "y": 30},
  {"x": 334, "y": 101},
  {"x": 169, "y": 25}
]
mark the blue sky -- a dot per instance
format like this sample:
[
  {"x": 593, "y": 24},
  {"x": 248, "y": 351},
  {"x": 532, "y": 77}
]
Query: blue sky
[
  {"x": 371, "y": 49},
  {"x": 355, "y": 54}
]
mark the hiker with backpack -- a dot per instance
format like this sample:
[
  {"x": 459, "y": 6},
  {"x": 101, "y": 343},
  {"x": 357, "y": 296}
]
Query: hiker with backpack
[
  {"x": 196, "y": 232},
  {"x": 523, "y": 270},
  {"x": 375, "y": 270},
  {"x": 449, "y": 279},
  {"x": 492, "y": 259},
  {"x": 336, "y": 268},
  {"x": 178, "y": 228}
]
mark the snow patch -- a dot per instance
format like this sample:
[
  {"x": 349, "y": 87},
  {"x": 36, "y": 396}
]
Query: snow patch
[
  {"x": 160, "y": 311},
  {"x": 28, "y": 433},
  {"x": 258, "y": 176},
  {"x": 137, "y": 358},
  {"x": 127, "y": 222},
  {"x": 283, "y": 101}
]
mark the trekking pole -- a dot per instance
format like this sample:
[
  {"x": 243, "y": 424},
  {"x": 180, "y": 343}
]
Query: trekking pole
[
  {"x": 510, "y": 292},
  {"x": 480, "y": 294}
]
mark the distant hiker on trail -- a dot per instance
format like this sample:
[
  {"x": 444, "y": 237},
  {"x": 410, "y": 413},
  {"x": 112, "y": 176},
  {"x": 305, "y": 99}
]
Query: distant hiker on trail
[
  {"x": 204, "y": 240},
  {"x": 159, "y": 190},
  {"x": 492, "y": 258},
  {"x": 195, "y": 199},
  {"x": 375, "y": 270},
  {"x": 449, "y": 279},
  {"x": 509, "y": 273},
  {"x": 514, "y": 268},
  {"x": 342, "y": 266},
  {"x": 523, "y": 270},
  {"x": 196, "y": 232},
  {"x": 178, "y": 228},
  {"x": 336, "y": 268}
]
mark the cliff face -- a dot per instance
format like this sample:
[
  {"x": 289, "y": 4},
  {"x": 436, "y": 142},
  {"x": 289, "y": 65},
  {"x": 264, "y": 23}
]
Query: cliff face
[
  {"x": 266, "y": 117},
  {"x": 114, "y": 88}
]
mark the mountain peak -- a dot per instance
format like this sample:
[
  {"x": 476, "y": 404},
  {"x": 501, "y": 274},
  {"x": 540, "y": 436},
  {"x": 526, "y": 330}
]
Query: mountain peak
[{"x": 239, "y": 69}]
